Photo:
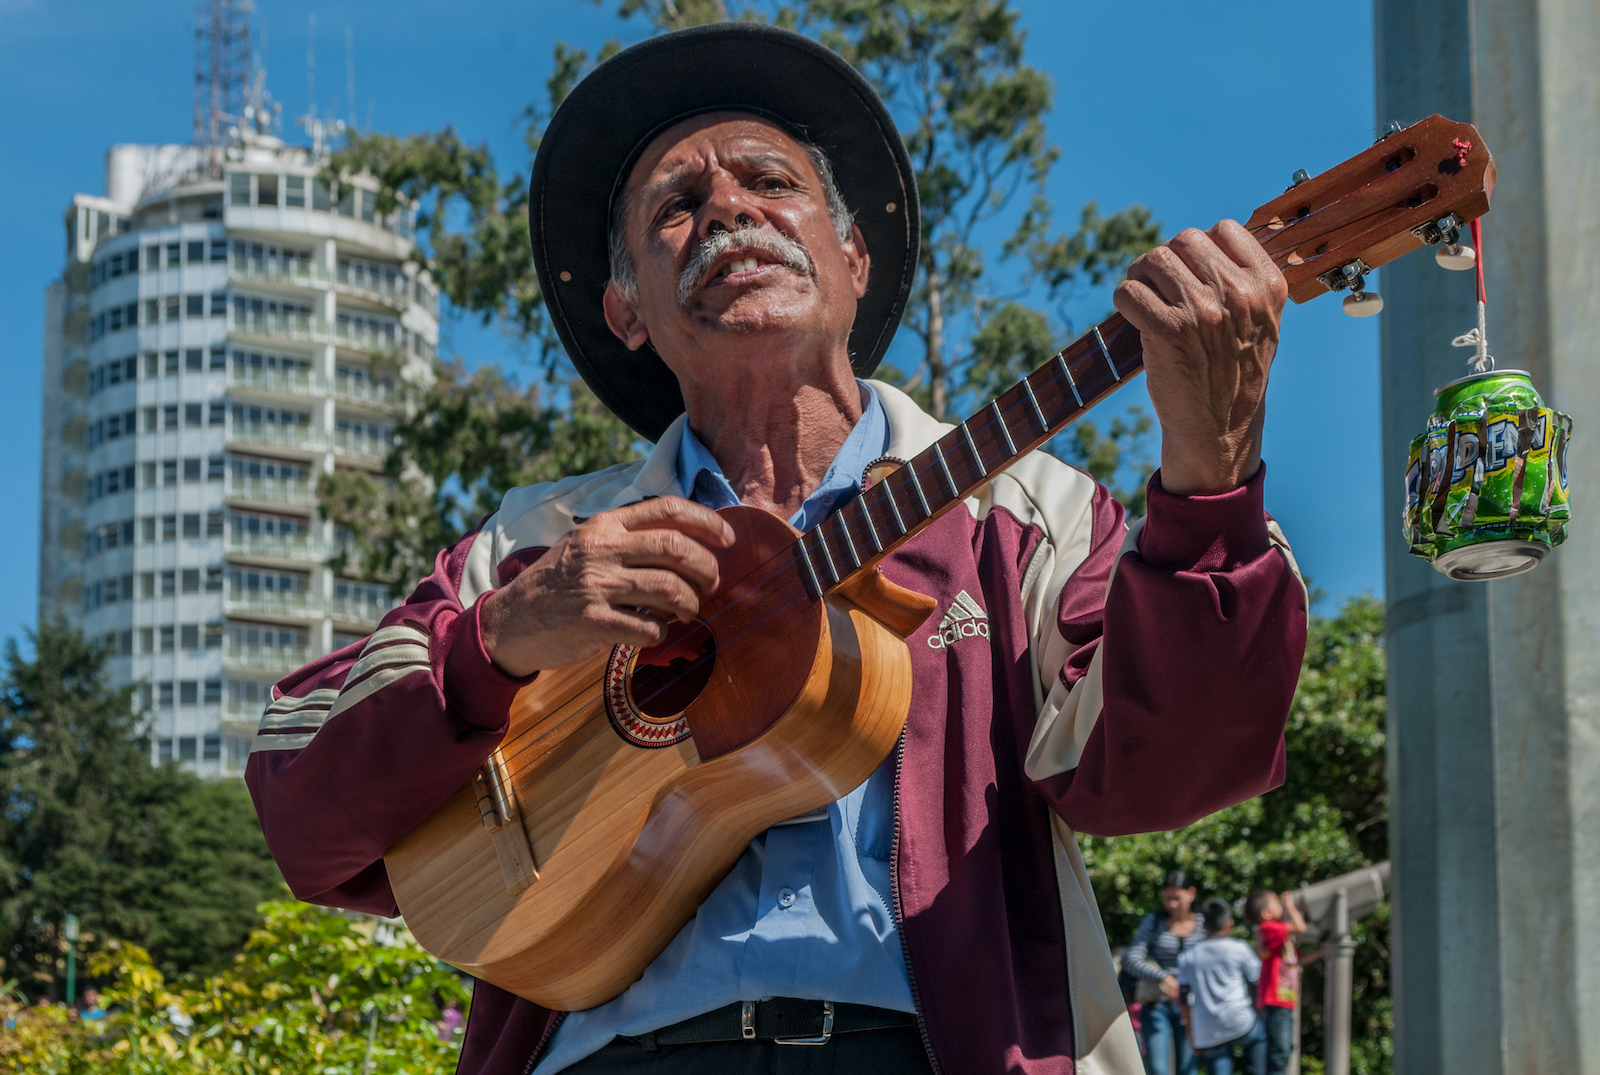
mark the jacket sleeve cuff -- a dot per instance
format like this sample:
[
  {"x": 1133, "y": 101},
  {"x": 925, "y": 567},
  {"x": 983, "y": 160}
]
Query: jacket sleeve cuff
[
  {"x": 474, "y": 689},
  {"x": 1205, "y": 533}
]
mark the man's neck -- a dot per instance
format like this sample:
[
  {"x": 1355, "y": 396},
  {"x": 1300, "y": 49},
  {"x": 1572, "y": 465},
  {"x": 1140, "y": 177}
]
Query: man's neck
[{"x": 776, "y": 439}]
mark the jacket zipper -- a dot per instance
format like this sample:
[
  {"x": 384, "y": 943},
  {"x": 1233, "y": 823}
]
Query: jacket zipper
[
  {"x": 899, "y": 914},
  {"x": 538, "y": 1050}
]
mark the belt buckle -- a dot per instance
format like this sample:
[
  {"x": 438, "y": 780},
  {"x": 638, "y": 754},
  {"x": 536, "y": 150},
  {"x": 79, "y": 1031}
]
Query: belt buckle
[
  {"x": 827, "y": 1030},
  {"x": 747, "y": 1019}
]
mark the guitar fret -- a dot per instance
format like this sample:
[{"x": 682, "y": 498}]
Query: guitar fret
[
  {"x": 983, "y": 471},
  {"x": 955, "y": 489},
  {"x": 888, "y": 494},
  {"x": 1106, "y": 351},
  {"x": 822, "y": 539},
  {"x": 1011, "y": 445},
  {"x": 1038, "y": 412},
  {"x": 805, "y": 558},
  {"x": 916, "y": 484},
  {"x": 849, "y": 542},
  {"x": 1062, "y": 362},
  {"x": 872, "y": 529}
]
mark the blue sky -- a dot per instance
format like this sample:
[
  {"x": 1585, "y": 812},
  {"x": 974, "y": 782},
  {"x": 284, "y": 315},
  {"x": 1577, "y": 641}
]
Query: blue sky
[{"x": 1198, "y": 111}]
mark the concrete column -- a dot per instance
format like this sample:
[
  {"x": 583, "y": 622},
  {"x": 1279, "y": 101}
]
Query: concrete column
[{"x": 1494, "y": 689}]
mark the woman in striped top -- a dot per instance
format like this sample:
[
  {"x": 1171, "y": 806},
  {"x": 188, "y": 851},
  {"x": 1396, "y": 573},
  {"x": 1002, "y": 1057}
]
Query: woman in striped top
[{"x": 1153, "y": 959}]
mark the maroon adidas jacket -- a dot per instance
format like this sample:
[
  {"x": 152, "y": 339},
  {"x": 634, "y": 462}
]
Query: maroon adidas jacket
[{"x": 1131, "y": 679}]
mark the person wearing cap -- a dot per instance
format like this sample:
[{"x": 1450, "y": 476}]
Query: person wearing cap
[{"x": 725, "y": 225}]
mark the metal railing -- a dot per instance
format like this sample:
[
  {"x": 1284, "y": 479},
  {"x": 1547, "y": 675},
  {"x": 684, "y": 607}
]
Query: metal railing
[
  {"x": 306, "y": 436},
  {"x": 266, "y": 658},
  {"x": 275, "y": 602},
  {"x": 284, "y": 546},
  {"x": 396, "y": 292},
  {"x": 292, "y": 382},
  {"x": 279, "y": 326},
  {"x": 275, "y": 490},
  {"x": 363, "y": 335},
  {"x": 358, "y": 609},
  {"x": 360, "y": 444},
  {"x": 380, "y": 392},
  {"x": 274, "y": 271}
]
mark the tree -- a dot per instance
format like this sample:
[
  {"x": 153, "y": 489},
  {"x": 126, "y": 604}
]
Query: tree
[
  {"x": 1330, "y": 817},
  {"x": 90, "y": 827}
]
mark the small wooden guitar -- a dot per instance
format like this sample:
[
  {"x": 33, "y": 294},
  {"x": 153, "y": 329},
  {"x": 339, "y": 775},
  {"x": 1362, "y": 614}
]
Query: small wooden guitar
[{"x": 628, "y": 786}]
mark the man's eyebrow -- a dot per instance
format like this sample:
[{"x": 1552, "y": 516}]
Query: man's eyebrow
[{"x": 681, "y": 175}]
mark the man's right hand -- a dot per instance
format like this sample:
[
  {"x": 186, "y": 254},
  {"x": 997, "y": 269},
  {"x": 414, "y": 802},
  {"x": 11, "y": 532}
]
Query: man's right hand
[{"x": 614, "y": 579}]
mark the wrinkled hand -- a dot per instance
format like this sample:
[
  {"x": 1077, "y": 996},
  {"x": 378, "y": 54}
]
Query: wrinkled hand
[
  {"x": 1207, "y": 306},
  {"x": 614, "y": 579}
]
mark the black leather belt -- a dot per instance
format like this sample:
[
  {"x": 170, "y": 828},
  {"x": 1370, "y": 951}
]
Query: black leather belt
[{"x": 781, "y": 1020}]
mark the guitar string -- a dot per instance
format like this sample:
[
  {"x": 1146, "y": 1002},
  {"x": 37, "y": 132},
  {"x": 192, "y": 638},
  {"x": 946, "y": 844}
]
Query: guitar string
[
  {"x": 892, "y": 488},
  {"x": 583, "y": 702}
]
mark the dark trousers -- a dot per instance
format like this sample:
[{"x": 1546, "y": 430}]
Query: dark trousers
[
  {"x": 892, "y": 1051},
  {"x": 1280, "y": 1037}
]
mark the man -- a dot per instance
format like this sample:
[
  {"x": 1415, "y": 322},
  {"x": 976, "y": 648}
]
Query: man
[
  {"x": 1216, "y": 976},
  {"x": 724, "y": 222}
]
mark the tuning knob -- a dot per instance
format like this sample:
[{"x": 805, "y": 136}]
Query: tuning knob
[
  {"x": 1363, "y": 303},
  {"x": 1457, "y": 256}
]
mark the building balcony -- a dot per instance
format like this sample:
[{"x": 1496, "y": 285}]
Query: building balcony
[
  {"x": 363, "y": 336},
  {"x": 278, "y": 546},
  {"x": 395, "y": 294},
  {"x": 278, "y": 327},
  {"x": 275, "y": 603},
  {"x": 380, "y": 395},
  {"x": 299, "y": 383},
  {"x": 275, "y": 659},
  {"x": 296, "y": 274},
  {"x": 272, "y": 491},
  {"x": 368, "y": 449},
  {"x": 358, "y": 610},
  {"x": 306, "y": 438}
]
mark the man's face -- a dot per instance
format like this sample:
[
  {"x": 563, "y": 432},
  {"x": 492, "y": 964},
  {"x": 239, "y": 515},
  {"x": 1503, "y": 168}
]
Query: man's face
[{"x": 731, "y": 238}]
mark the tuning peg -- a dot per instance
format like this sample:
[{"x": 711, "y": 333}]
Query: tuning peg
[
  {"x": 1457, "y": 256},
  {"x": 1363, "y": 303}
]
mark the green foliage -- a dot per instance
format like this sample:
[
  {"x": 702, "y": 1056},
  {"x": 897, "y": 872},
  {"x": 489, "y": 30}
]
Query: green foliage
[
  {"x": 92, "y": 828},
  {"x": 1329, "y": 818},
  {"x": 311, "y": 992}
]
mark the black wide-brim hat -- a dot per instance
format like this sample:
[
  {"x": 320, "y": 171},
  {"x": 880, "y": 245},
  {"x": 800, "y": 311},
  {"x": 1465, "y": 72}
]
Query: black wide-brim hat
[{"x": 612, "y": 115}]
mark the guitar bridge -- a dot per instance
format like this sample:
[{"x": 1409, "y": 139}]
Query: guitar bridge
[{"x": 497, "y": 806}]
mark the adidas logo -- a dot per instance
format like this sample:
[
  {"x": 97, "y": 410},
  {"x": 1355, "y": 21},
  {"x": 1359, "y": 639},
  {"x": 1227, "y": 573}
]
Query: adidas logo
[{"x": 965, "y": 619}]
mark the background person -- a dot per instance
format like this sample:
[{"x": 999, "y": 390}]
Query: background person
[
  {"x": 1276, "y": 920},
  {"x": 1216, "y": 976},
  {"x": 1152, "y": 958}
]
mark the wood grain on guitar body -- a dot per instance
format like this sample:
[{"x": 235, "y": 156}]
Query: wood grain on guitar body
[{"x": 628, "y": 785}]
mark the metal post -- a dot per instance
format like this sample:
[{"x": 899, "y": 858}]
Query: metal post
[
  {"x": 1336, "y": 1022},
  {"x": 70, "y": 928},
  {"x": 1294, "y": 1039}
]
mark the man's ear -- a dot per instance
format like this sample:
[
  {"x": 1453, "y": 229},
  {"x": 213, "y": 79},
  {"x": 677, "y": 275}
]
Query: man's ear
[
  {"x": 622, "y": 317},
  {"x": 855, "y": 252}
]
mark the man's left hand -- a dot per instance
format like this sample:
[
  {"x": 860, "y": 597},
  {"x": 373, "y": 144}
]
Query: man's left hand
[{"x": 1207, "y": 306}]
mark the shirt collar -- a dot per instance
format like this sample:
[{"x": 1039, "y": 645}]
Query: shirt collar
[{"x": 704, "y": 482}]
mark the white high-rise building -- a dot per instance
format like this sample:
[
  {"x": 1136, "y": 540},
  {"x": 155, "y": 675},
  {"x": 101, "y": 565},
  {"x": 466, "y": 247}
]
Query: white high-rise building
[{"x": 215, "y": 344}]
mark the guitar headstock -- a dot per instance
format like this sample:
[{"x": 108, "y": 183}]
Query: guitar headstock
[{"x": 1379, "y": 204}]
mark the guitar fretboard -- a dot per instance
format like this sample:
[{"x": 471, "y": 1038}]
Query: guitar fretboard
[{"x": 960, "y": 463}]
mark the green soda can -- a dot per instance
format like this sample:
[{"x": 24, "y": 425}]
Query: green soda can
[{"x": 1486, "y": 484}]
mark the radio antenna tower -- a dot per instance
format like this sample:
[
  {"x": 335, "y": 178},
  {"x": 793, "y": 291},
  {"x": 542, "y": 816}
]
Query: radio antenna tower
[{"x": 221, "y": 76}]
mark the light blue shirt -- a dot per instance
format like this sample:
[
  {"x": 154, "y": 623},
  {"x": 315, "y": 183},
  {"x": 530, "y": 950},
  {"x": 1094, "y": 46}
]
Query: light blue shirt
[{"x": 807, "y": 910}]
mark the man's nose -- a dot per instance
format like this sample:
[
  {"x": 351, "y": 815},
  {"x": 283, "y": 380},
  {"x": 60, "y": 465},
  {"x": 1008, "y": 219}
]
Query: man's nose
[{"x": 728, "y": 208}]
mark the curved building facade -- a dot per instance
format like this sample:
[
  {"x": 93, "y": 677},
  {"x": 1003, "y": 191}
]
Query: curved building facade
[{"x": 213, "y": 347}]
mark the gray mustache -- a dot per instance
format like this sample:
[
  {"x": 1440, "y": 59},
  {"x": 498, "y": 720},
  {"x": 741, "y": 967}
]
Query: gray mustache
[{"x": 751, "y": 237}]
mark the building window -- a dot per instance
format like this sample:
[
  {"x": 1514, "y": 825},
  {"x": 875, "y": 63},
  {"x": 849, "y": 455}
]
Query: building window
[
  {"x": 189, "y": 637},
  {"x": 217, "y": 465},
  {"x": 188, "y": 692},
  {"x": 125, "y": 643},
  {"x": 347, "y": 201},
  {"x": 164, "y": 693},
  {"x": 169, "y": 525},
  {"x": 213, "y": 694},
  {"x": 152, "y": 311},
  {"x": 168, "y": 634},
  {"x": 152, "y": 422},
  {"x": 196, "y": 252},
  {"x": 266, "y": 190},
  {"x": 191, "y": 523},
  {"x": 239, "y": 188},
  {"x": 218, "y": 415},
  {"x": 174, "y": 255},
  {"x": 321, "y": 197},
  {"x": 147, "y": 644},
  {"x": 172, "y": 308},
  {"x": 212, "y": 742},
  {"x": 219, "y": 250},
  {"x": 152, "y": 364},
  {"x": 194, "y": 306},
  {"x": 219, "y": 352},
  {"x": 170, "y": 360},
  {"x": 164, "y": 747},
  {"x": 169, "y": 468},
  {"x": 191, "y": 468},
  {"x": 169, "y": 582},
  {"x": 214, "y": 574},
  {"x": 186, "y": 745},
  {"x": 191, "y": 580},
  {"x": 152, "y": 257},
  {"x": 147, "y": 525},
  {"x": 219, "y": 304},
  {"x": 214, "y": 631},
  {"x": 147, "y": 584},
  {"x": 294, "y": 192},
  {"x": 194, "y": 360}
]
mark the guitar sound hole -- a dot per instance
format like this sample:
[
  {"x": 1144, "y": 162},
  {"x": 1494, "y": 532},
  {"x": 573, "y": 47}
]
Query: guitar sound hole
[{"x": 666, "y": 678}]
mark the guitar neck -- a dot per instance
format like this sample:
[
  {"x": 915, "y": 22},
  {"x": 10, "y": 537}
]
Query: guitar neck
[{"x": 959, "y": 464}]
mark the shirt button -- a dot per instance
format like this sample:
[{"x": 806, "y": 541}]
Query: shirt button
[{"x": 786, "y": 898}]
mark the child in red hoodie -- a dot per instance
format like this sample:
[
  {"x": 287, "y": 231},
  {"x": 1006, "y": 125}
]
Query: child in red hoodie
[{"x": 1276, "y": 919}]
